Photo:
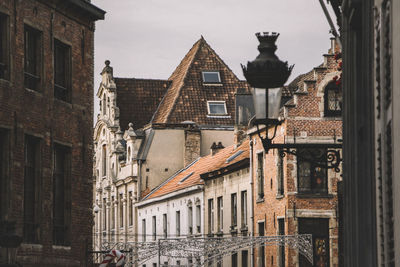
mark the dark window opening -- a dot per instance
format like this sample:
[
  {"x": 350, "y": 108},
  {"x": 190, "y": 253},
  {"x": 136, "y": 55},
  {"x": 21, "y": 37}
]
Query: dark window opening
[
  {"x": 244, "y": 208},
  {"x": 154, "y": 225},
  {"x": 319, "y": 229},
  {"x": 130, "y": 207},
  {"x": 261, "y": 249},
  {"x": 121, "y": 211},
  {"x": 62, "y": 196},
  {"x": 220, "y": 214},
  {"x": 234, "y": 260},
  {"x": 281, "y": 189},
  {"x": 33, "y": 58},
  {"x": 260, "y": 175},
  {"x": 4, "y": 47},
  {"x": 233, "y": 210},
  {"x": 190, "y": 220},
  {"x": 178, "y": 223},
  {"x": 281, "y": 226},
  {"x": 312, "y": 179},
  {"x": 245, "y": 258},
  {"x": 112, "y": 208},
  {"x": 165, "y": 227},
  {"x": 210, "y": 216},
  {"x": 333, "y": 100},
  {"x": 62, "y": 71},
  {"x": 32, "y": 189},
  {"x": 4, "y": 155}
]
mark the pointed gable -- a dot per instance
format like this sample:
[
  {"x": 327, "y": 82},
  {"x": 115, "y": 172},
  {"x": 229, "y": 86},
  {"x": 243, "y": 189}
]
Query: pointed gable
[{"x": 186, "y": 98}]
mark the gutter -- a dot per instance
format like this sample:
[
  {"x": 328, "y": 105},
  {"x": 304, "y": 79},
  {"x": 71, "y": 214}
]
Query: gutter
[
  {"x": 251, "y": 202},
  {"x": 89, "y": 8}
]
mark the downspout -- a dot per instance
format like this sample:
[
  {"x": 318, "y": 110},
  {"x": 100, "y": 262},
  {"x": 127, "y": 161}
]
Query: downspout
[
  {"x": 333, "y": 29},
  {"x": 251, "y": 202}
]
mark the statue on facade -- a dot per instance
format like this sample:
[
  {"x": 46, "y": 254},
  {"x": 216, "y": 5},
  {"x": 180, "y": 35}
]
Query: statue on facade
[{"x": 107, "y": 74}]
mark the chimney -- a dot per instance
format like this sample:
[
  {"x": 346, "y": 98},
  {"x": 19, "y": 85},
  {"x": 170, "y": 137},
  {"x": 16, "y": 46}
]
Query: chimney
[
  {"x": 192, "y": 145},
  {"x": 216, "y": 148},
  {"x": 239, "y": 135}
]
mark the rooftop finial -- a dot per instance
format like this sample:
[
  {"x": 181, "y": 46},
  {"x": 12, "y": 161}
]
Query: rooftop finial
[{"x": 107, "y": 73}]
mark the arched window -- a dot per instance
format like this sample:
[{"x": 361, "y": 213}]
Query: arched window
[
  {"x": 104, "y": 161},
  {"x": 333, "y": 100}
]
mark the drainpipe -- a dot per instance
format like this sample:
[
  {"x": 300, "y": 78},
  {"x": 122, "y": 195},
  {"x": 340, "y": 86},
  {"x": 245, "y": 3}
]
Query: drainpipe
[
  {"x": 251, "y": 202},
  {"x": 139, "y": 182}
]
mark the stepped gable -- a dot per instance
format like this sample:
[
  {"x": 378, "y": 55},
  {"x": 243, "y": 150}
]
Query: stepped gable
[
  {"x": 186, "y": 98},
  {"x": 138, "y": 99},
  {"x": 202, "y": 166}
]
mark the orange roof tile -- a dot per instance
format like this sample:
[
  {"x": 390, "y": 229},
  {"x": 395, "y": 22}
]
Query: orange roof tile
[{"x": 191, "y": 174}]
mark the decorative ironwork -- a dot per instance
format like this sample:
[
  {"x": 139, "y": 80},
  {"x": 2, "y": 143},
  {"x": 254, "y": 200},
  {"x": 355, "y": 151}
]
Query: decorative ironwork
[{"x": 205, "y": 250}]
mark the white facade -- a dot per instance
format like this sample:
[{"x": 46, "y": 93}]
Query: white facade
[
  {"x": 227, "y": 202},
  {"x": 175, "y": 215}
]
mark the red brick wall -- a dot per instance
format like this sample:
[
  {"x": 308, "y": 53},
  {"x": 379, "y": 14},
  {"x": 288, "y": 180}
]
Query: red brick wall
[
  {"x": 307, "y": 114},
  {"x": 24, "y": 111}
]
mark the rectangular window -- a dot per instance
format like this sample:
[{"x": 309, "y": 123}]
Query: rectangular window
[
  {"x": 62, "y": 195},
  {"x": 144, "y": 230},
  {"x": 178, "y": 223},
  {"x": 261, "y": 249},
  {"x": 4, "y": 156},
  {"x": 4, "y": 47},
  {"x": 280, "y": 174},
  {"x": 121, "y": 210},
  {"x": 319, "y": 229},
  {"x": 281, "y": 228},
  {"x": 216, "y": 108},
  {"x": 312, "y": 179},
  {"x": 165, "y": 225},
  {"x": 190, "y": 220},
  {"x": 245, "y": 258},
  {"x": 211, "y": 77},
  {"x": 154, "y": 227},
  {"x": 220, "y": 215},
  {"x": 130, "y": 207},
  {"x": 260, "y": 175},
  {"x": 32, "y": 189},
  {"x": 333, "y": 100},
  {"x": 210, "y": 216},
  {"x": 198, "y": 219},
  {"x": 112, "y": 206},
  {"x": 33, "y": 58},
  {"x": 62, "y": 71},
  {"x": 243, "y": 196},
  {"x": 104, "y": 214},
  {"x": 234, "y": 260},
  {"x": 178, "y": 263},
  {"x": 233, "y": 210},
  {"x": 104, "y": 160}
]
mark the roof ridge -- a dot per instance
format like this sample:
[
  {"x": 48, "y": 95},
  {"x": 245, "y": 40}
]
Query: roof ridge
[
  {"x": 196, "y": 46},
  {"x": 141, "y": 79}
]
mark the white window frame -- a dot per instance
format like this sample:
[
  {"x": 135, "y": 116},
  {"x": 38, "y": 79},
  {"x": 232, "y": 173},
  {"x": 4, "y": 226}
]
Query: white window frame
[
  {"x": 216, "y": 102},
  {"x": 211, "y": 71}
]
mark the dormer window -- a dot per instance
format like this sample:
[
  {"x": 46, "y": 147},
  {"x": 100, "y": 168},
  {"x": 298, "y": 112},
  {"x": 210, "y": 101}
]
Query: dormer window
[
  {"x": 333, "y": 100},
  {"x": 216, "y": 108},
  {"x": 211, "y": 77}
]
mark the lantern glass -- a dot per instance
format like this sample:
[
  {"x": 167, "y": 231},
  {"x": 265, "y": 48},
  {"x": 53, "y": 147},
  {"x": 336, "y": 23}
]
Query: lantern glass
[{"x": 261, "y": 103}]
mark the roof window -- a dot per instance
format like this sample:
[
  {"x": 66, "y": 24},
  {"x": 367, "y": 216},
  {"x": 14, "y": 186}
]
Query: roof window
[
  {"x": 216, "y": 107},
  {"x": 186, "y": 177},
  {"x": 211, "y": 77},
  {"x": 234, "y": 156}
]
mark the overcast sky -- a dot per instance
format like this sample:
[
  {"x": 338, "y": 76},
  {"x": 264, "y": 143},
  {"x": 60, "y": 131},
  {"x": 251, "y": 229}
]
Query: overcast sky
[{"x": 148, "y": 38}]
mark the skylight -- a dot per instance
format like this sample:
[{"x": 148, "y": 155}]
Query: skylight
[
  {"x": 234, "y": 156},
  {"x": 211, "y": 77},
  {"x": 186, "y": 177},
  {"x": 216, "y": 108}
]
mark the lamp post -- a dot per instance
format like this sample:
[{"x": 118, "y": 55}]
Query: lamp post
[
  {"x": 266, "y": 75},
  {"x": 9, "y": 243}
]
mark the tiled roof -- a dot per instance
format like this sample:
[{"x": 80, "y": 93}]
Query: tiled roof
[
  {"x": 186, "y": 98},
  {"x": 138, "y": 100},
  {"x": 190, "y": 175}
]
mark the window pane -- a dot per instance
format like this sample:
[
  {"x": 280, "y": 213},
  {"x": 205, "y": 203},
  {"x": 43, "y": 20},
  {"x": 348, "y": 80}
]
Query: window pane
[
  {"x": 216, "y": 108},
  {"x": 211, "y": 77},
  {"x": 334, "y": 100}
]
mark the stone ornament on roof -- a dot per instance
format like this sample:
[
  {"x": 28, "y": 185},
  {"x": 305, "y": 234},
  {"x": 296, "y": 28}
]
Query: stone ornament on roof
[{"x": 108, "y": 75}]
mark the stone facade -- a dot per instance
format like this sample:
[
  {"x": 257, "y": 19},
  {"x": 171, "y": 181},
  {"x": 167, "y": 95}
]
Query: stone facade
[
  {"x": 46, "y": 131},
  {"x": 287, "y": 200}
]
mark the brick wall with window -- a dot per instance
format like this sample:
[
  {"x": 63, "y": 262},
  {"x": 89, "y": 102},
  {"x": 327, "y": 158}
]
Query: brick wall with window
[{"x": 47, "y": 140}]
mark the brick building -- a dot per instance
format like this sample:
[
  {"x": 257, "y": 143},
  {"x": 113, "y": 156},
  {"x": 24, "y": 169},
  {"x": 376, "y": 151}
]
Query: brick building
[
  {"x": 46, "y": 119},
  {"x": 292, "y": 196}
]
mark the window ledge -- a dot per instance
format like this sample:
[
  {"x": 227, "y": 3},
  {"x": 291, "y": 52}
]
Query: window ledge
[
  {"x": 279, "y": 196},
  {"x": 259, "y": 200},
  {"x": 62, "y": 102},
  {"x": 5, "y": 82},
  {"x": 31, "y": 247},
  {"x": 314, "y": 195},
  {"x": 38, "y": 93},
  {"x": 58, "y": 247},
  {"x": 212, "y": 84},
  {"x": 210, "y": 235},
  {"x": 219, "y": 116},
  {"x": 220, "y": 233}
]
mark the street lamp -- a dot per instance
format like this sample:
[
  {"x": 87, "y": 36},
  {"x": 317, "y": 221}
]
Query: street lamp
[{"x": 266, "y": 75}]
